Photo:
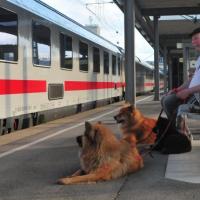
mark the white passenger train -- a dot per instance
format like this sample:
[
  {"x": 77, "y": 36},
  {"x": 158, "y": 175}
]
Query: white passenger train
[{"x": 51, "y": 66}]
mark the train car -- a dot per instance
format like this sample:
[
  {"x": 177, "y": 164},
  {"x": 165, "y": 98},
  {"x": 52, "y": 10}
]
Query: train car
[
  {"x": 51, "y": 66},
  {"x": 145, "y": 77}
]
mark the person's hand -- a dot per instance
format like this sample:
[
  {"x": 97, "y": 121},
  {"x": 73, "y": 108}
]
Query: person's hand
[
  {"x": 183, "y": 94},
  {"x": 172, "y": 91}
]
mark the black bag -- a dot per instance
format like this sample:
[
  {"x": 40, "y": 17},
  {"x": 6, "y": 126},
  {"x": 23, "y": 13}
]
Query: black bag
[{"x": 169, "y": 140}]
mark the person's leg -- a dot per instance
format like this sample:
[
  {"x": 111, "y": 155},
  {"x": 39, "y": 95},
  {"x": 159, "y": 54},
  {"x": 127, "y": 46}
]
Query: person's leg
[
  {"x": 181, "y": 120},
  {"x": 181, "y": 124},
  {"x": 170, "y": 104},
  {"x": 181, "y": 117}
]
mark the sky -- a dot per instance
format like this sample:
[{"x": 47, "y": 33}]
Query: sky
[{"x": 107, "y": 16}]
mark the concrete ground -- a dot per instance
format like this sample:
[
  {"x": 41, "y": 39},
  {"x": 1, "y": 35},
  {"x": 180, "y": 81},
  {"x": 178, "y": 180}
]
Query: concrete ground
[{"x": 33, "y": 159}]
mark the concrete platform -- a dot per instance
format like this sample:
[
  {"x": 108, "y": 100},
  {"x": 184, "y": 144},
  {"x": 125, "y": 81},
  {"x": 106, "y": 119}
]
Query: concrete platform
[
  {"x": 33, "y": 159},
  {"x": 185, "y": 167},
  {"x": 181, "y": 167}
]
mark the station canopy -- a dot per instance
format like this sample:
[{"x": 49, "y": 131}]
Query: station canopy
[{"x": 178, "y": 18}]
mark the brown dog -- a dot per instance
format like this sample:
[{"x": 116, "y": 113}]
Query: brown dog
[
  {"x": 103, "y": 156},
  {"x": 135, "y": 125}
]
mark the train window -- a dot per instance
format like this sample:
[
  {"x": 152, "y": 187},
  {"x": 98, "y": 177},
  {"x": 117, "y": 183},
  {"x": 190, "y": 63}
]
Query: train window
[
  {"x": 96, "y": 60},
  {"x": 41, "y": 45},
  {"x": 106, "y": 62},
  {"x": 149, "y": 74},
  {"x": 114, "y": 65},
  {"x": 66, "y": 51},
  {"x": 119, "y": 66},
  {"x": 83, "y": 56},
  {"x": 8, "y": 35}
]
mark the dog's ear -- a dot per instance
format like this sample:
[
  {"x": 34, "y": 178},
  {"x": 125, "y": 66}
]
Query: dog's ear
[
  {"x": 88, "y": 126},
  {"x": 96, "y": 137}
]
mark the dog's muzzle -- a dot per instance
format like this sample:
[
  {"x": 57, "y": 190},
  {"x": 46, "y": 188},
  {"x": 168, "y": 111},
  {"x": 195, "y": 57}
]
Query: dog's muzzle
[
  {"x": 79, "y": 140},
  {"x": 116, "y": 118}
]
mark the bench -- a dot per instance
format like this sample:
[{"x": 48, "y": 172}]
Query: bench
[{"x": 194, "y": 112}]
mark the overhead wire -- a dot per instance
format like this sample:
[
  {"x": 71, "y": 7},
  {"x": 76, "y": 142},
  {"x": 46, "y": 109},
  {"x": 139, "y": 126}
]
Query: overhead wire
[{"x": 100, "y": 16}]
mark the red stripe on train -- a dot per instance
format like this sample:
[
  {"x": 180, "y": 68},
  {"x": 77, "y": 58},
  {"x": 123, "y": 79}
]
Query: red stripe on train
[
  {"x": 22, "y": 86},
  {"x": 83, "y": 85},
  {"x": 148, "y": 84},
  {"x": 38, "y": 86}
]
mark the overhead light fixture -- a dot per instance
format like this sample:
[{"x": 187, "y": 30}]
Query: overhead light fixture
[{"x": 179, "y": 45}]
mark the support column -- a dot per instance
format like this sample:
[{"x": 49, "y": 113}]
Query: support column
[
  {"x": 165, "y": 69},
  {"x": 185, "y": 62},
  {"x": 156, "y": 59},
  {"x": 129, "y": 17},
  {"x": 170, "y": 74}
]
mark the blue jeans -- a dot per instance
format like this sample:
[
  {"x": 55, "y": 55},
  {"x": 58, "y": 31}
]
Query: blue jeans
[{"x": 170, "y": 104}]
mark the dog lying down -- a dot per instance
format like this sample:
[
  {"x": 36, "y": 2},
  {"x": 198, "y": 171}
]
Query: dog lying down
[
  {"x": 103, "y": 156},
  {"x": 135, "y": 125}
]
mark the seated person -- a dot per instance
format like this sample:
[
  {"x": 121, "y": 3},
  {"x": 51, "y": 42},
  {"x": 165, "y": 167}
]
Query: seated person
[{"x": 180, "y": 100}]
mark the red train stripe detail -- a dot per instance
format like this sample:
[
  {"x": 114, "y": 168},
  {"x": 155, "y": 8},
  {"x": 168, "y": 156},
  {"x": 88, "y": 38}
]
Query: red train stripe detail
[
  {"x": 148, "y": 84},
  {"x": 83, "y": 85},
  {"x": 22, "y": 86},
  {"x": 38, "y": 86}
]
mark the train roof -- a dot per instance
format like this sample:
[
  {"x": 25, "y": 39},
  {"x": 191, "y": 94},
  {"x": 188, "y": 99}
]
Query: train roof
[
  {"x": 147, "y": 65},
  {"x": 45, "y": 11}
]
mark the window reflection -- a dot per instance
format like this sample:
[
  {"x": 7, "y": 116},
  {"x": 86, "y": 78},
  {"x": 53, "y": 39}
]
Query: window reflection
[
  {"x": 8, "y": 35},
  {"x": 83, "y": 56},
  {"x": 41, "y": 45},
  {"x": 119, "y": 66},
  {"x": 66, "y": 51},
  {"x": 114, "y": 69},
  {"x": 106, "y": 62},
  {"x": 96, "y": 60}
]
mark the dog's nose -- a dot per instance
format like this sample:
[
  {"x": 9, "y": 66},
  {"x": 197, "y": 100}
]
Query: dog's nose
[
  {"x": 115, "y": 117},
  {"x": 79, "y": 140}
]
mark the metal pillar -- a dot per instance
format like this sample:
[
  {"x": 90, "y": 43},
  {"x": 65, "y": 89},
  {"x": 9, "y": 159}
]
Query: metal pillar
[
  {"x": 129, "y": 17},
  {"x": 185, "y": 62},
  {"x": 156, "y": 59},
  {"x": 170, "y": 74},
  {"x": 165, "y": 68}
]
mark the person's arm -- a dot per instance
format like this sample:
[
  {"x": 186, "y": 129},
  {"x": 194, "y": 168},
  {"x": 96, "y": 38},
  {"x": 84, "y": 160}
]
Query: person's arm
[
  {"x": 181, "y": 87},
  {"x": 184, "y": 85},
  {"x": 185, "y": 93}
]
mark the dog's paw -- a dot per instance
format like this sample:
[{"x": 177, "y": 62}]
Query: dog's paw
[{"x": 63, "y": 181}]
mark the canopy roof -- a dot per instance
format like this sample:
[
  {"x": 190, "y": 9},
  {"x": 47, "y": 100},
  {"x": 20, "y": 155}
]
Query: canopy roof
[{"x": 171, "y": 31}]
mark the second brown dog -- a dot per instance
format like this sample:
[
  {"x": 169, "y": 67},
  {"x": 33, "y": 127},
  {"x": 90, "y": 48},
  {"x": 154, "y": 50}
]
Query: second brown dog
[{"x": 135, "y": 125}]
